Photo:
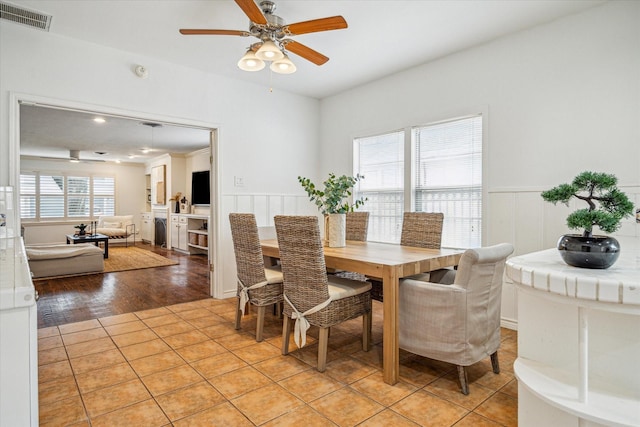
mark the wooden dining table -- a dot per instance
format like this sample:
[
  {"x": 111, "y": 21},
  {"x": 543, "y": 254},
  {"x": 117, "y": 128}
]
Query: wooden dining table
[{"x": 389, "y": 263}]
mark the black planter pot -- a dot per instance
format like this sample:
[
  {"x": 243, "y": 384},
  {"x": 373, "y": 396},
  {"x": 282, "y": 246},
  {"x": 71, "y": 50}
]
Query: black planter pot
[{"x": 589, "y": 252}]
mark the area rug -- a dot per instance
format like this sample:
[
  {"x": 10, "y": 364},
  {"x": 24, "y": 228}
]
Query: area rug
[
  {"x": 133, "y": 258},
  {"x": 126, "y": 258}
]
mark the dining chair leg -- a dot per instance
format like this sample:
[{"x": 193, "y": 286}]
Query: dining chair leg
[
  {"x": 323, "y": 341},
  {"x": 366, "y": 331},
  {"x": 286, "y": 333},
  {"x": 260, "y": 323},
  {"x": 238, "y": 315},
  {"x": 495, "y": 364},
  {"x": 464, "y": 383}
]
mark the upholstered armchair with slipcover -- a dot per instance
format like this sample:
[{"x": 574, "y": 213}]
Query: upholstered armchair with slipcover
[{"x": 457, "y": 323}]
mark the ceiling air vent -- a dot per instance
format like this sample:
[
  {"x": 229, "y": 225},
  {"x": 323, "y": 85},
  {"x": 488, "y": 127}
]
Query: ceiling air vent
[{"x": 20, "y": 15}]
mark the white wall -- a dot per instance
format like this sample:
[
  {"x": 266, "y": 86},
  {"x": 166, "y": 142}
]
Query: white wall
[
  {"x": 561, "y": 98},
  {"x": 267, "y": 138}
]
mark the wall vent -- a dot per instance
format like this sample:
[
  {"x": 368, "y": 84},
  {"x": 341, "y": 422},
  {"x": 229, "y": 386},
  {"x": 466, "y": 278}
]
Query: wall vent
[{"x": 20, "y": 15}]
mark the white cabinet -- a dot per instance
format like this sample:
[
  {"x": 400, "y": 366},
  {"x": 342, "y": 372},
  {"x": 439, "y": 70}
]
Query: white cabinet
[
  {"x": 179, "y": 232},
  {"x": 578, "y": 340},
  {"x": 18, "y": 323},
  {"x": 147, "y": 226},
  {"x": 190, "y": 233}
]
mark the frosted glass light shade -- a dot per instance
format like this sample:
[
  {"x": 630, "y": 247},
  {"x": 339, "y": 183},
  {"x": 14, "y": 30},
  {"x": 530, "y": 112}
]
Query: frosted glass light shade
[
  {"x": 283, "y": 66},
  {"x": 269, "y": 52},
  {"x": 250, "y": 62}
]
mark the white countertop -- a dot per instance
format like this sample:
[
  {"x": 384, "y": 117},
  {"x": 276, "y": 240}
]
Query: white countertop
[{"x": 545, "y": 271}]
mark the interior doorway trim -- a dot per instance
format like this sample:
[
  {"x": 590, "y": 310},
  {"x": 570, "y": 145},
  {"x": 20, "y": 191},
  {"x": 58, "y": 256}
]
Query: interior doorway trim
[{"x": 16, "y": 99}]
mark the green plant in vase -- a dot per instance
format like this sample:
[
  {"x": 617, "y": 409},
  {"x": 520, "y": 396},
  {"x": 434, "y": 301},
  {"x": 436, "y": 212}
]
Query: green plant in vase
[
  {"x": 81, "y": 229},
  {"x": 607, "y": 206},
  {"x": 333, "y": 201}
]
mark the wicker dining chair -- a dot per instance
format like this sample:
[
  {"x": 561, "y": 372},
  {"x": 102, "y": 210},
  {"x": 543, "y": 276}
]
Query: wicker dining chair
[
  {"x": 357, "y": 226},
  {"x": 257, "y": 284},
  {"x": 421, "y": 230},
  {"x": 310, "y": 296}
]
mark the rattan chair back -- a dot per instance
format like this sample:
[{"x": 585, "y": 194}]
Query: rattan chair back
[
  {"x": 302, "y": 258},
  {"x": 422, "y": 229},
  {"x": 249, "y": 260},
  {"x": 357, "y": 226},
  {"x": 306, "y": 287}
]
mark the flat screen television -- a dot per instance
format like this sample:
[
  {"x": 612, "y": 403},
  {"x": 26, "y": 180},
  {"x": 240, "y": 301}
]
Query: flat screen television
[{"x": 200, "y": 194}]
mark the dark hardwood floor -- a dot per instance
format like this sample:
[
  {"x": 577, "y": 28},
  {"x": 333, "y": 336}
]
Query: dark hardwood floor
[{"x": 74, "y": 299}]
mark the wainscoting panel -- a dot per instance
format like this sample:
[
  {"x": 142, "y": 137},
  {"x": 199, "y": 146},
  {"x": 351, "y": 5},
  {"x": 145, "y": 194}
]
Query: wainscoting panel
[{"x": 264, "y": 207}]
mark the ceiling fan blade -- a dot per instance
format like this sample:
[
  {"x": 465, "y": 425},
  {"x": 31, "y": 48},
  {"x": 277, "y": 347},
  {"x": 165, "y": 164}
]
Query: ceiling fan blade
[
  {"x": 191, "y": 32},
  {"x": 316, "y": 25},
  {"x": 253, "y": 12},
  {"x": 305, "y": 52}
]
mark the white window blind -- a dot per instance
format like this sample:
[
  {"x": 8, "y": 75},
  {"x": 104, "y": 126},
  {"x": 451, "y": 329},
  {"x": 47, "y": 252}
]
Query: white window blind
[
  {"x": 104, "y": 191},
  {"x": 448, "y": 178},
  {"x": 51, "y": 198},
  {"x": 78, "y": 198},
  {"x": 28, "y": 196},
  {"x": 45, "y": 196},
  {"x": 380, "y": 159}
]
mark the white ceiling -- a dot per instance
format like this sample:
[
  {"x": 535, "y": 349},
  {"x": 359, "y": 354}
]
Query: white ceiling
[
  {"x": 50, "y": 132},
  {"x": 383, "y": 37}
]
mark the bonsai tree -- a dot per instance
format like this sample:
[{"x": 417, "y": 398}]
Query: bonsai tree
[
  {"x": 592, "y": 187},
  {"x": 333, "y": 199}
]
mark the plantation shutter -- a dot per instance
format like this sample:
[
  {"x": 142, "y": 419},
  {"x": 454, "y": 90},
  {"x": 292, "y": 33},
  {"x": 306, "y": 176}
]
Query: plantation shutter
[
  {"x": 51, "y": 196},
  {"x": 78, "y": 204},
  {"x": 28, "y": 196},
  {"x": 104, "y": 191}
]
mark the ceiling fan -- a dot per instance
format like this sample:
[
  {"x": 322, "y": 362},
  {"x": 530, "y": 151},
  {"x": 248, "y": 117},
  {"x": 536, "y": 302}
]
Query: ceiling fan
[
  {"x": 74, "y": 157},
  {"x": 273, "y": 32}
]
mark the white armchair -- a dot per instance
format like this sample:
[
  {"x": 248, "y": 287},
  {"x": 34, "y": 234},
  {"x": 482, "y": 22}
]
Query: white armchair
[
  {"x": 457, "y": 323},
  {"x": 117, "y": 227}
]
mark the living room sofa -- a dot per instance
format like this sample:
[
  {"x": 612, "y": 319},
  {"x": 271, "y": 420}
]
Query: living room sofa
[{"x": 62, "y": 259}]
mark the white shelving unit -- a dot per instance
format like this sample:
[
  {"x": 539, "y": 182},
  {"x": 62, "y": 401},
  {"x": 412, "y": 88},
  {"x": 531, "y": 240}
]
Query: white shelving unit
[
  {"x": 198, "y": 232},
  {"x": 189, "y": 233},
  {"x": 578, "y": 340}
]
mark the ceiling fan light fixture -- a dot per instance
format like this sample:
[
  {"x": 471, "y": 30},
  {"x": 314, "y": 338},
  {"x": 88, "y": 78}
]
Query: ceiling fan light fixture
[
  {"x": 269, "y": 51},
  {"x": 283, "y": 66},
  {"x": 250, "y": 62}
]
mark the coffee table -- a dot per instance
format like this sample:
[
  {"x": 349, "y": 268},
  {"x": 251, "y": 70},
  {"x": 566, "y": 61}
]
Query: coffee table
[{"x": 90, "y": 238}]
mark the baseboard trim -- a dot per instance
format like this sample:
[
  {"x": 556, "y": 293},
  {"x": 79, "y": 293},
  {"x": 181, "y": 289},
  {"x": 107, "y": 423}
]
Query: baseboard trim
[{"x": 509, "y": 324}]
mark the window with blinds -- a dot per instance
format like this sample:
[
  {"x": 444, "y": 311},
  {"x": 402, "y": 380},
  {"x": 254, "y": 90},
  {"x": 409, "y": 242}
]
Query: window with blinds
[
  {"x": 381, "y": 160},
  {"x": 48, "y": 197},
  {"x": 445, "y": 176},
  {"x": 448, "y": 178}
]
